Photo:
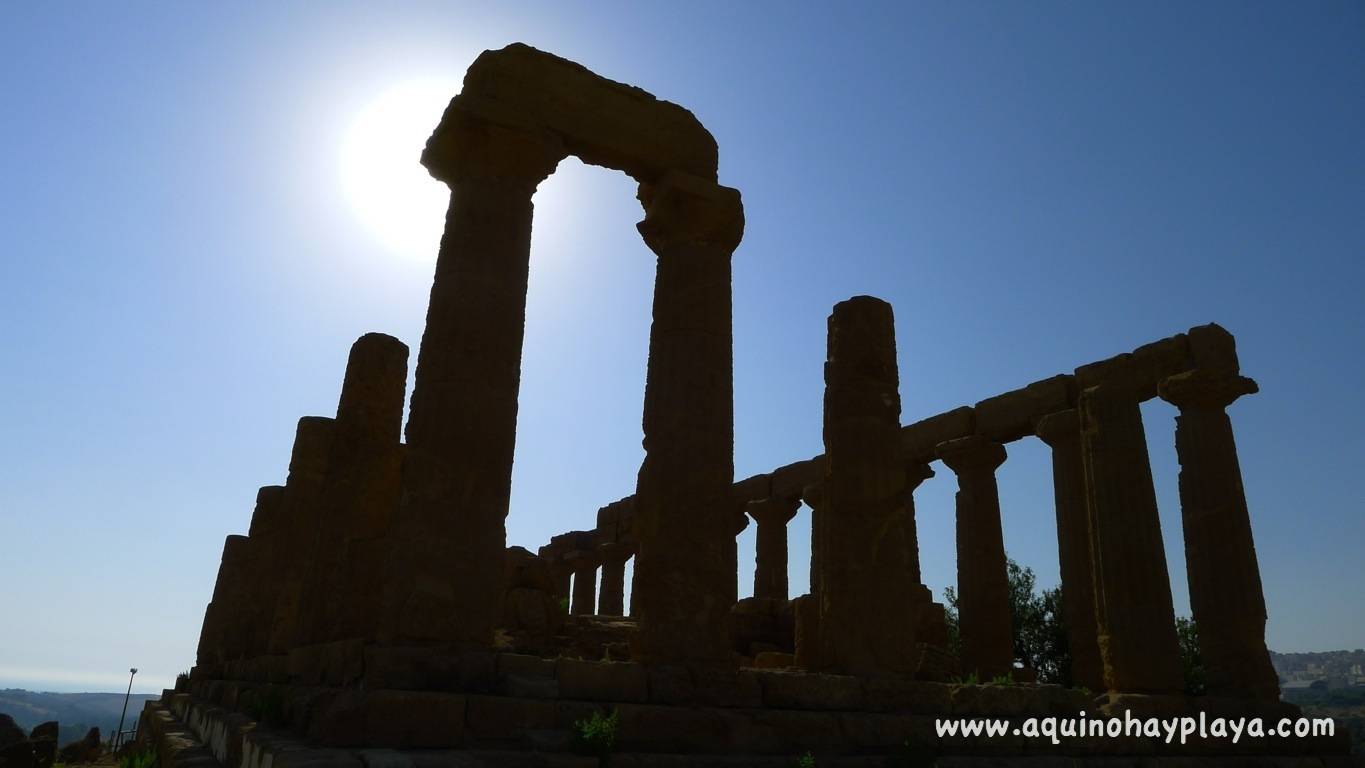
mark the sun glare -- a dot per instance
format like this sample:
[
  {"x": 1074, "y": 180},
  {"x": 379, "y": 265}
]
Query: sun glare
[{"x": 391, "y": 192}]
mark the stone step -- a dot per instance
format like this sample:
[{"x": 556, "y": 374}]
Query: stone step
[
  {"x": 175, "y": 744},
  {"x": 431, "y": 720}
]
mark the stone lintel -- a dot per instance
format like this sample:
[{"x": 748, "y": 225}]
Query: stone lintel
[
  {"x": 600, "y": 121},
  {"x": 919, "y": 440},
  {"x": 753, "y": 488},
  {"x": 1010, "y": 416},
  {"x": 1140, "y": 370},
  {"x": 792, "y": 479},
  {"x": 573, "y": 541}
]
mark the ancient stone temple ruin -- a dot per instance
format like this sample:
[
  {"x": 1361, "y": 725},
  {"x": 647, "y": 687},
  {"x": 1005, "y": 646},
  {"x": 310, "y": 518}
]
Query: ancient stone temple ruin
[{"x": 374, "y": 613}]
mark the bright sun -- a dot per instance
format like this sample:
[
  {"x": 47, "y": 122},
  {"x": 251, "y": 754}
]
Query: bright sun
[{"x": 388, "y": 188}]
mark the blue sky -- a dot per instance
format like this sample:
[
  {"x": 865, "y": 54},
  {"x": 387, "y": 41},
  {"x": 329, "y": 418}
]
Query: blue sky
[{"x": 184, "y": 263}]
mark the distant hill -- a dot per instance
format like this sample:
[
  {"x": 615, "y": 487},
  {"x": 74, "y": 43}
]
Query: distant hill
[
  {"x": 1320, "y": 664},
  {"x": 75, "y": 713}
]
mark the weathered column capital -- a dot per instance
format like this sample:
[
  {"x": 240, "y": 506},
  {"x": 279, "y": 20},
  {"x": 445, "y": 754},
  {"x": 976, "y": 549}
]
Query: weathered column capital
[
  {"x": 1205, "y": 389},
  {"x": 970, "y": 453},
  {"x": 465, "y": 147},
  {"x": 685, "y": 209},
  {"x": 916, "y": 472},
  {"x": 1060, "y": 428},
  {"x": 815, "y": 495},
  {"x": 774, "y": 510}
]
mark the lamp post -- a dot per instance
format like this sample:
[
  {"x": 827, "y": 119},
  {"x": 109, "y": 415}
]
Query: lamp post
[{"x": 118, "y": 735}]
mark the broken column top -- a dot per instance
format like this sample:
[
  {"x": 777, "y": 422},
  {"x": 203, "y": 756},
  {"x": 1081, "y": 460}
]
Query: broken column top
[
  {"x": 371, "y": 404},
  {"x": 862, "y": 340},
  {"x": 600, "y": 121}
]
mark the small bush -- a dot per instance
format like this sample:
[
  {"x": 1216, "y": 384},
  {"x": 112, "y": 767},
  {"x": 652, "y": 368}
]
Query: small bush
[
  {"x": 596, "y": 736},
  {"x": 806, "y": 761},
  {"x": 145, "y": 758}
]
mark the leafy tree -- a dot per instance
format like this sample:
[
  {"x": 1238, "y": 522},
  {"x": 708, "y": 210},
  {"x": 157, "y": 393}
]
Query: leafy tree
[
  {"x": 1037, "y": 623},
  {"x": 1039, "y": 627},
  {"x": 1187, "y": 634}
]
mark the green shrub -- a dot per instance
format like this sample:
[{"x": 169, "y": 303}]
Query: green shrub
[
  {"x": 596, "y": 736},
  {"x": 806, "y": 761},
  {"x": 145, "y": 758}
]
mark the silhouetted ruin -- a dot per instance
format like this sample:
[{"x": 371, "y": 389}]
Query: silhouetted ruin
[{"x": 374, "y": 603}]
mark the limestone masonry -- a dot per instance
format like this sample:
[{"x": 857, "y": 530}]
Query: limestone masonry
[{"x": 373, "y": 613}]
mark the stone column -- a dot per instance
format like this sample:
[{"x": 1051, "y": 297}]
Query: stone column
[
  {"x": 930, "y": 620},
  {"x": 915, "y": 474},
  {"x": 770, "y": 560},
  {"x": 612, "y": 601},
  {"x": 983, "y": 591},
  {"x": 284, "y": 565},
  {"x": 446, "y": 583},
  {"x": 563, "y": 578},
  {"x": 1135, "y": 619},
  {"x": 684, "y": 569},
  {"x": 866, "y": 597},
  {"x": 817, "y": 499},
  {"x": 584, "y": 584},
  {"x": 360, "y": 495},
  {"x": 227, "y": 611},
  {"x": 1062, "y": 433},
  {"x": 1220, "y": 555},
  {"x": 807, "y": 607},
  {"x": 264, "y": 544}
]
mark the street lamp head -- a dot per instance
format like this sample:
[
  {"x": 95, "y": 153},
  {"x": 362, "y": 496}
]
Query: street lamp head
[{"x": 133, "y": 670}]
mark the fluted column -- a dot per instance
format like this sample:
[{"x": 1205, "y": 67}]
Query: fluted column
[
  {"x": 584, "y": 584},
  {"x": 915, "y": 474},
  {"x": 684, "y": 570},
  {"x": 816, "y": 497},
  {"x": 612, "y": 600},
  {"x": 807, "y": 607},
  {"x": 770, "y": 557},
  {"x": 446, "y": 583},
  {"x": 285, "y": 563},
  {"x": 1134, "y": 616},
  {"x": 227, "y": 612},
  {"x": 866, "y": 596},
  {"x": 360, "y": 494},
  {"x": 982, "y": 582},
  {"x": 1220, "y": 554},
  {"x": 264, "y": 552},
  {"x": 1062, "y": 433}
]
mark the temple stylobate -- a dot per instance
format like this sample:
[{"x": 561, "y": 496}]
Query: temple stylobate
[{"x": 375, "y": 604}]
